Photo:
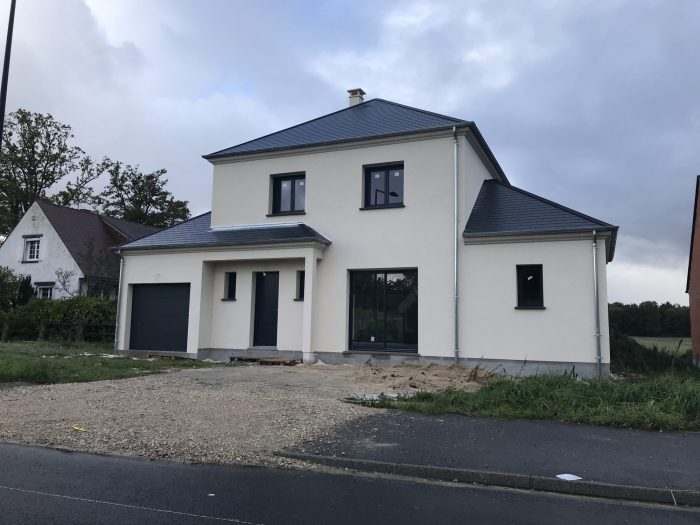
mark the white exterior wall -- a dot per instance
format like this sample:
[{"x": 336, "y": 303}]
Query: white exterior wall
[
  {"x": 417, "y": 236},
  {"x": 232, "y": 321},
  {"x": 53, "y": 254},
  {"x": 214, "y": 323},
  {"x": 492, "y": 328},
  {"x": 420, "y": 235}
]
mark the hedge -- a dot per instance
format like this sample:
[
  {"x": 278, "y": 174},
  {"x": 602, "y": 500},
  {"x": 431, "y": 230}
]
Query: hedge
[{"x": 65, "y": 319}]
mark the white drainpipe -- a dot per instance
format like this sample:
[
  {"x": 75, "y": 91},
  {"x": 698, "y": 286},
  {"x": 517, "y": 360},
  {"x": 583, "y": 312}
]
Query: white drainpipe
[
  {"x": 598, "y": 355},
  {"x": 119, "y": 302},
  {"x": 456, "y": 246}
]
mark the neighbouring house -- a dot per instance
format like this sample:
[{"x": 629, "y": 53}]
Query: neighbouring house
[
  {"x": 378, "y": 232},
  {"x": 67, "y": 251},
  {"x": 692, "y": 287}
]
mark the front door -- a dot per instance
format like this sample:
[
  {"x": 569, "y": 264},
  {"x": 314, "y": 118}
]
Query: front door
[{"x": 266, "y": 295}]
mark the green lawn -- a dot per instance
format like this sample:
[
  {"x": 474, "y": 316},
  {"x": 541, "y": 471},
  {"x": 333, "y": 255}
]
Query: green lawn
[
  {"x": 49, "y": 362},
  {"x": 667, "y": 344},
  {"x": 664, "y": 402}
]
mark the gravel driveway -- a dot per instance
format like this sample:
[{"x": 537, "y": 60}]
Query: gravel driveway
[{"x": 237, "y": 414}]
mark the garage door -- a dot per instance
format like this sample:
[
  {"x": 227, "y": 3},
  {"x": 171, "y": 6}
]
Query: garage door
[{"x": 159, "y": 316}]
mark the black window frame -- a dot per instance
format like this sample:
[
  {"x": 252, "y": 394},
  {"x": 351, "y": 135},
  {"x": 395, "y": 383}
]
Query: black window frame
[
  {"x": 366, "y": 185},
  {"x": 229, "y": 294},
  {"x": 275, "y": 197},
  {"x": 301, "y": 283},
  {"x": 378, "y": 346},
  {"x": 529, "y": 297}
]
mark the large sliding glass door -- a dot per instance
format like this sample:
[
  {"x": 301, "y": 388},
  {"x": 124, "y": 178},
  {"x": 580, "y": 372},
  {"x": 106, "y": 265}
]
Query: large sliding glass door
[{"x": 384, "y": 310}]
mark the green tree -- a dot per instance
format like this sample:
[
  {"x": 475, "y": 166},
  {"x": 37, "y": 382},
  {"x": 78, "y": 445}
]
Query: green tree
[
  {"x": 35, "y": 155},
  {"x": 15, "y": 289},
  {"x": 141, "y": 197}
]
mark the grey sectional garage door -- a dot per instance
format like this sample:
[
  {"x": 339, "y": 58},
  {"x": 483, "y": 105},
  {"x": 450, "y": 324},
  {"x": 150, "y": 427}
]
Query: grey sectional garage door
[{"x": 159, "y": 316}]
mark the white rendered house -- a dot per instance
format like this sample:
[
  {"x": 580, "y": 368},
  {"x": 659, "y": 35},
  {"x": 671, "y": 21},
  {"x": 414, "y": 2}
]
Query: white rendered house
[
  {"x": 52, "y": 241},
  {"x": 379, "y": 232}
]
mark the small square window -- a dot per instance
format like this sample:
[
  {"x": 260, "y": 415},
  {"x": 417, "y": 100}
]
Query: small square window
[
  {"x": 288, "y": 194},
  {"x": 301, "y": 277},
  {"x": 230, "y": 286},
  {"x": 530, "y": 294},
  {"x": 383, "y": 186},
  {"x": 31, "y": 249},
  {"x": 44, "y": 292}
]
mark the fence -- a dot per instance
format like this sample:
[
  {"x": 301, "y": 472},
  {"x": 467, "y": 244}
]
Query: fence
[{"x": 16, "y": 330}]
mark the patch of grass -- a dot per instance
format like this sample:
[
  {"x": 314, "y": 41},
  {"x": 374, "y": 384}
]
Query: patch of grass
[
  {"x": 50, "y": 362},
  {"x": 665, "y": 402}
]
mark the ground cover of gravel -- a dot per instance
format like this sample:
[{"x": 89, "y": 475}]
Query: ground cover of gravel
[{"x": 241, "y": 414}]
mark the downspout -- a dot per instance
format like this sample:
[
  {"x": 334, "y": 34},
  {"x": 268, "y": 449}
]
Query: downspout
[
  {"x": 456, "y": 246},
  {"x": 598, "y": 355},
  {"x": 119, "y": 302}
]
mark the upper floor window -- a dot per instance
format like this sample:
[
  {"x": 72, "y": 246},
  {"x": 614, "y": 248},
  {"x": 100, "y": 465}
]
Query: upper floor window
[
  {"x": 288, "y": 193},
  {"x": 31, "y": 249},
  {"x": 530, "y": 293},
  {"x": 384, "y": 186}
]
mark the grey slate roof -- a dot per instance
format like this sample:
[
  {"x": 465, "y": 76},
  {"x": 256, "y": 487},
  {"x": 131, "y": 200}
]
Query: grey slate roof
[
  {"x": 88, "y": 236},
  {"x": 503, "y": 210},
  {"x": 372, "y": 119},
  {"x": 197, "y": 233}
]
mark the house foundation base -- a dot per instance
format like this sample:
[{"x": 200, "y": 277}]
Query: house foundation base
[
  {"x": 505, "y": 366},
  {"x": 226, "y": 355}
]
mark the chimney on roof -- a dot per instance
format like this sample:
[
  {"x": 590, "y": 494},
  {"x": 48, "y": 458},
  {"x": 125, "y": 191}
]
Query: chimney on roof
[{"x": 357, "y": 96}]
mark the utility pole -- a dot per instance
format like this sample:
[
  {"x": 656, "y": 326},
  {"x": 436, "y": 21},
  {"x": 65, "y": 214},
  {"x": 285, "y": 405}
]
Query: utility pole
[{"x": 6, "y": 69}]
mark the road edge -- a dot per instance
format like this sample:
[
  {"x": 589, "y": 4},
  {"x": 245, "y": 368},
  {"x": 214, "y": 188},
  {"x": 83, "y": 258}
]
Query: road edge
[{"x": 503, "y": 479}]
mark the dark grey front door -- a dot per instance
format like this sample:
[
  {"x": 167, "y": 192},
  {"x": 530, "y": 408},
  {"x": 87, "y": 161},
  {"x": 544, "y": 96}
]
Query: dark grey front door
[
  {"x": 159, "y": 317},
  {"x": 266, "y": 298}
]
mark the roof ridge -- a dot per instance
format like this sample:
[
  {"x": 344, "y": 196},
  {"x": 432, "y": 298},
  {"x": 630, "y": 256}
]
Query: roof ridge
[
  {"x": 454, "y": 120},
  {"x": 552, "y": 203},
  {"x": 102, "y": 216}
]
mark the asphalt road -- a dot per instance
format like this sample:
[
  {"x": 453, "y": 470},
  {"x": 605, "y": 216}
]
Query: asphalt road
[
  {"x": 533, "y": 448},
  {"x": 47, "y": 486}
]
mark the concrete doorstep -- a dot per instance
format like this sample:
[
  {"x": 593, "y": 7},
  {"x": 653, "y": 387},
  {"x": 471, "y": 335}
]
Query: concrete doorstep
[{"x": 503, "y": 479}]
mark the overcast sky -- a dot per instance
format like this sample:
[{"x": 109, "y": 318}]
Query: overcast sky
[{"x": 595, "y": 105}]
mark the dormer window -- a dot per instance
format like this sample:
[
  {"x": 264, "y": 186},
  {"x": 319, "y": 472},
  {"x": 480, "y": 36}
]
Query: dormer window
[
  {"x": 31, "y": 249},
  {"x": 288, "y": 194}
]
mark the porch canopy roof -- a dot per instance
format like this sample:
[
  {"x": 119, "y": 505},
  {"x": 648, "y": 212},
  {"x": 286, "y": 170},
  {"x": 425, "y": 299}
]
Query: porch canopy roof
[{"x": 198, "y": 233}]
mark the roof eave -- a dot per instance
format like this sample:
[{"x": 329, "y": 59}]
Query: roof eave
[
  {"x": 221, "y": 155},
  {"x": 209, "y": 246},
  {"x": 610, "y": 231}
]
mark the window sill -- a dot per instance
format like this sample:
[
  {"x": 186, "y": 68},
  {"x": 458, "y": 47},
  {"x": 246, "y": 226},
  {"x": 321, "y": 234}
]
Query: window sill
[
  {"x": 530, "y": 308},
  {"x": 283, "y": 213},
  {"x": 29, "y": 262},
  {"x": 383, "y": 207},
  {"x": 228, "y": 300}
]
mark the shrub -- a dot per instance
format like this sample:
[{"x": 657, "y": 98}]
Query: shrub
[
  {"x": 60, "y": 319},
  {"x": 628, "y": 356}
]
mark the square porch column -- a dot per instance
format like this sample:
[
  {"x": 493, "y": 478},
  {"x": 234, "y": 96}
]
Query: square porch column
[{"x": 310, "y": 262}]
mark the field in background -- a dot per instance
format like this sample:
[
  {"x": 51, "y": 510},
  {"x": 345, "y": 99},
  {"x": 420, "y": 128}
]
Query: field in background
[{"x": 668, "y": 344}]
